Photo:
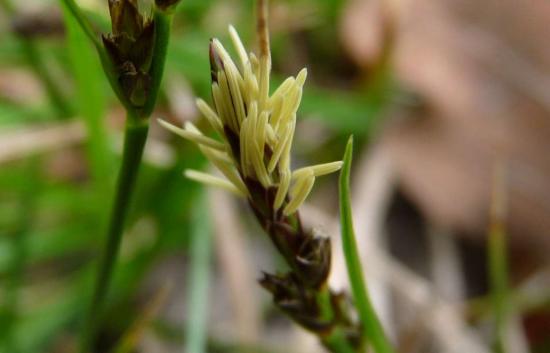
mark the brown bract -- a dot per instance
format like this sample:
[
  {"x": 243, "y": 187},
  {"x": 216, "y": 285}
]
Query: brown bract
[{"x": 166, "y": 4}]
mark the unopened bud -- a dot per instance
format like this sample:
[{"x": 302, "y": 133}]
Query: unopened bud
[
  {"x": 125, "y": 17},
  {"x": 130, "y": 48}
]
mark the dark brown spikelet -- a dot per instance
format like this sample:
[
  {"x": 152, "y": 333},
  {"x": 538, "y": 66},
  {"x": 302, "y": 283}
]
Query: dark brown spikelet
[
  {"x": 125, "y": 17},
  {"x": 296, "y": 301},
  {"x": 302, "y": 305},
  {"x": 130, "y": 47},
  {"x": 298, "y": 292}
]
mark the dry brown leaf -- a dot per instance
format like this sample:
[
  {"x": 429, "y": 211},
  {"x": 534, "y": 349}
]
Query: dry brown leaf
[{"x": 484, "y": 72}]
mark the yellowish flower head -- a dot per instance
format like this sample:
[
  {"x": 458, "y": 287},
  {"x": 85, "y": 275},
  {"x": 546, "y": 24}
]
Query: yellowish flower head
[{"x": 256, "y": 128}]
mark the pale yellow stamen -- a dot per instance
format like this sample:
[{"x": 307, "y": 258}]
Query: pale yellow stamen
[
  {"x": 255, "y": 63},
  {"x": 233, "y": 79},
  {"x": 247, "y": 140},
  {"x": 318, "y": 170},
  {"x": 227, "y": 168},
  {"x": 259, "y": 168},
  {"x": 291, "y": 103},
  {"x": 254, "y": 146},
  {"x": 261, "y": 133},
  {"x": 220, "y": 106},
  {"x": 239, "y": 47},
  {"x": 281, "y": 91},
  {"x": 209, "y": 179},
  {"x": 262, "y": 122},
  {"x": 299, "y": 193},
  {"x": 220, "y": 50},
  {"x": 265, "y": 70},
  {"x": 285, "y": 156},
  {"x": 225, "y": 96},
  {"x": 279, "y": 148},
  {"x": 194, "y": 136},
  {"x": 210, "y": 115},
  {"x": 243, "y": 142},
  {"x": 301, "y": 78},
  {"x": 277, "y": 109},
  {"x": 284, "y": 184},
  {"x": 251, "y": 85},
  {"x": 271, "y": 137}
]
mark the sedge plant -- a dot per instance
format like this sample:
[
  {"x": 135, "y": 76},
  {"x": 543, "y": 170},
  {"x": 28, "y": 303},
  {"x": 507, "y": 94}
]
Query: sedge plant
[
  {"x": 133, "y": 56},
  {"x": 256, "y": 130}
]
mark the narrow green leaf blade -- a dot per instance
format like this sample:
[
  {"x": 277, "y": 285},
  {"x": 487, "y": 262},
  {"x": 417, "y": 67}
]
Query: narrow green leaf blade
[
  {"x": 372, "y": 329},
  {"x": 196, "y": 326},
  {"x": 497, "y": 266},
  {"x": 91, "y": 100}
]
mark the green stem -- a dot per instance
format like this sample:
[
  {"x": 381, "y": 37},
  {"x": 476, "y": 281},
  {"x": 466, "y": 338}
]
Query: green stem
[
  {"x": 499, "y": 284},
  {"x": 162, "y": 36},
  {"x": 336, "y": 341},
  {"x": 134, "y": 143},
  {"x": 371, "y": 325}
]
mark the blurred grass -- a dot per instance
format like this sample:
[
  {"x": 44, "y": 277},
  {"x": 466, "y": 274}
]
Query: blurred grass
[
  {"x": 34, "y": 58},
  {"x": 17, "y": 253},
  {"x": 91, "y": 102},
  {"x": 197, "y": 292},
  {"x": 497, "y": 266}
]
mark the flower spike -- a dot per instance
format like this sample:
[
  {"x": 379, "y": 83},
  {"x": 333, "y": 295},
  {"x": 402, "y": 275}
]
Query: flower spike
[
  {"x": 257, "y": 130},
  {"x": 256, "y": 127}
]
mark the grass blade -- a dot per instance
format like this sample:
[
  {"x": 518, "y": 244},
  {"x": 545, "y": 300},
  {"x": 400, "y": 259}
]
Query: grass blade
[
  {"x": 372, "y": 329},
  {"x": 197, "y": 303},
  {"x": 73, "y": 8},
  {"x": 498, "y": 272},
  {"x": 91, "y": 100}
]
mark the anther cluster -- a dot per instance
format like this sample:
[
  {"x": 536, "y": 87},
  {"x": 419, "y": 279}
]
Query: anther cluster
[{"x": 256, "y": 128}]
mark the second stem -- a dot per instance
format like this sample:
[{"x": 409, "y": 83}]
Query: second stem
[{"x": 134, "y": 142}]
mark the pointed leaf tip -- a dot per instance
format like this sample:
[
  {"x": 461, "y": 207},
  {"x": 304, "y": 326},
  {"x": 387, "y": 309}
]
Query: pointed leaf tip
[{"x": 346, "y": 167}]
